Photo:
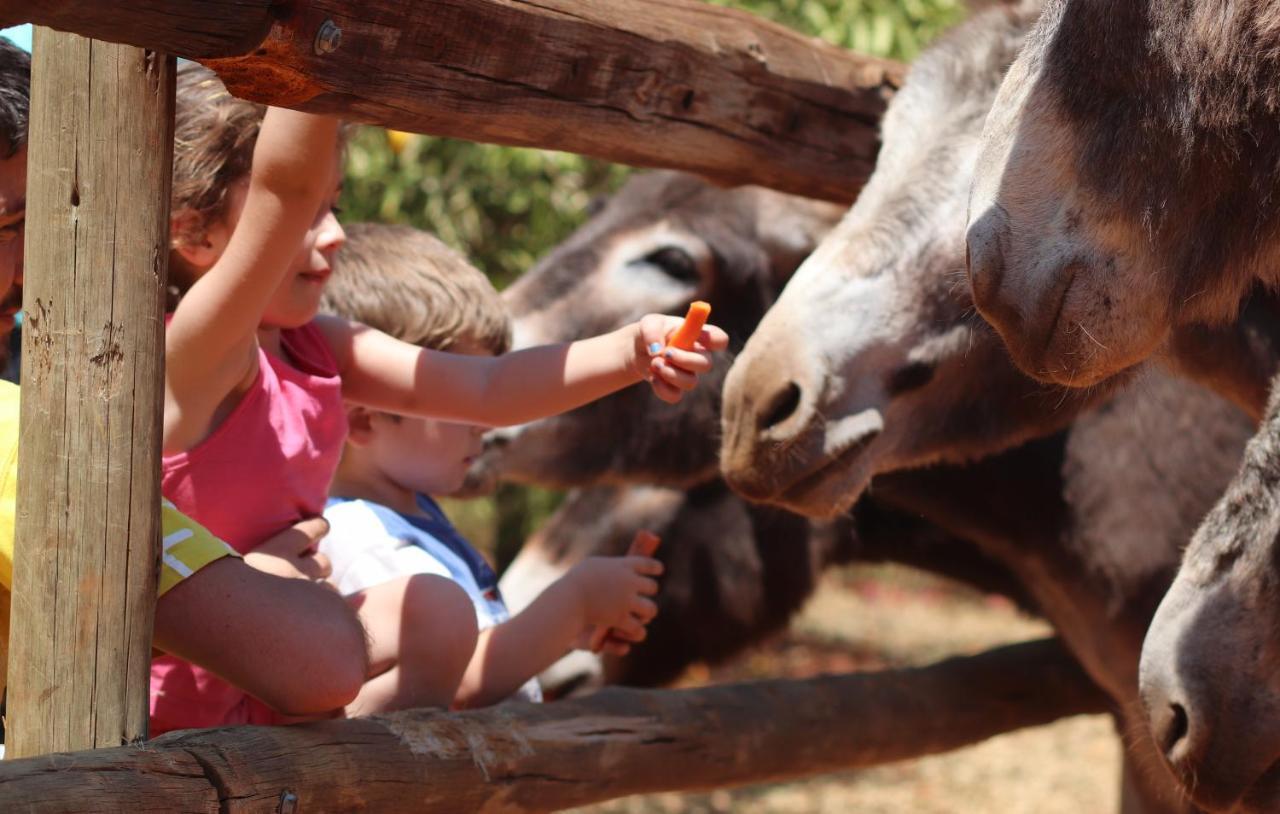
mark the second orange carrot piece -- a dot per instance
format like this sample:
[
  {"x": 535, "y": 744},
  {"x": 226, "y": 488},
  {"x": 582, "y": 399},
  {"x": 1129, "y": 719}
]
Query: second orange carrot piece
[{"x": 645, "y": 544}]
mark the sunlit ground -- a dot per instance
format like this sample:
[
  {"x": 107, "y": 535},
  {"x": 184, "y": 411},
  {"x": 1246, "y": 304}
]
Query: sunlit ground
[{"x": 868, "y": 618}]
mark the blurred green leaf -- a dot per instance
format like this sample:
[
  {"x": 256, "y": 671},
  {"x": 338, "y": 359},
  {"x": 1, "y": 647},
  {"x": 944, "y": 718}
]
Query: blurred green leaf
[
  {"x": 504, "y": 207},
  {"x": 896, "y": 29}
]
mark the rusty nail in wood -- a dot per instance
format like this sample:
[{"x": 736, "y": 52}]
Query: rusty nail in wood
[
  {"x": 288, "y": 803},
  {"x": 328, "y": 38}
]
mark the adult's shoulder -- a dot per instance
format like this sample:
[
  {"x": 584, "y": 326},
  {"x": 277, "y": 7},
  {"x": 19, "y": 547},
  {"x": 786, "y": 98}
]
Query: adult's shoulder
[
  {"x": 9, "y": 393},
  {"x": 8, "y": 477}
]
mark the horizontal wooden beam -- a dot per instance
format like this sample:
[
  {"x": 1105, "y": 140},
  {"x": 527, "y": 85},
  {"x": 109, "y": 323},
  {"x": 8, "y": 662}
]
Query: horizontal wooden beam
[
  {"x": 654, "y": 83},
  {"x": 531, "y": 757},
  {"x": 192, "y": 28}
]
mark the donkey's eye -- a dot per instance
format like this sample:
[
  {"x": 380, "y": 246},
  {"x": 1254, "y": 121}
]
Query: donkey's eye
[{"x": 675, "y": 263}]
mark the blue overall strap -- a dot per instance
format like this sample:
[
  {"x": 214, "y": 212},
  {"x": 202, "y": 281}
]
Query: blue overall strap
[{"x": 438, "y": 526}]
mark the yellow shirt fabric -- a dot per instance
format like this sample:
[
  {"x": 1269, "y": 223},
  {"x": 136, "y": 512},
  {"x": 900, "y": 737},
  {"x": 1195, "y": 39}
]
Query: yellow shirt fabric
[{"x": 187, "y": 546}]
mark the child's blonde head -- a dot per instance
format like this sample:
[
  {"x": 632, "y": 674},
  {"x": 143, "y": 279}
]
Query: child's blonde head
[{"x": 407, "y": 283}]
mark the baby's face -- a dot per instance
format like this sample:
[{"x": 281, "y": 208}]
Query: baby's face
[{"x": 426, "y": 455}]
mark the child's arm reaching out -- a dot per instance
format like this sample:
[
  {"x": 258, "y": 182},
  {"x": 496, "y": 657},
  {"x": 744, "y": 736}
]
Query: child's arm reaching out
[
  {"x": 386, "y": 374},
  {"x": 603, "y": 592},
  {"x": 210, "y": 345}
]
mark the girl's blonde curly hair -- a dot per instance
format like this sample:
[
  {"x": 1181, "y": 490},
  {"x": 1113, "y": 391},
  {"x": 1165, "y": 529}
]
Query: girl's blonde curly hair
[{"x": 213, "y": 140}]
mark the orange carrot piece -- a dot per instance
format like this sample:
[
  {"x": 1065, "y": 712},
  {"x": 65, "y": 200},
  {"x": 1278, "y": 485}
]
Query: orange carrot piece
[
  {"x": 691, "y": 328},
  {"x": 645, "y": 544}
]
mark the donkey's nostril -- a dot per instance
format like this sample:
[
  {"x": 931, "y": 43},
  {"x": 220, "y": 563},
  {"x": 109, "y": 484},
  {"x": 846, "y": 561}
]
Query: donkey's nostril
[
  {"x": 1176, "y": 728},
  {"x": 781, "y": 407},
  {"x": 1171, "y": 726},
  {"x": 984, "y": 259},
  {"x": 911, "y": 376}
]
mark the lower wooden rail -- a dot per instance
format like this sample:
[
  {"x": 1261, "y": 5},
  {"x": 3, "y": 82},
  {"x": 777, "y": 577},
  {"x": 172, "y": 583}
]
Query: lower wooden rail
[{"x": 528, "y": 757}]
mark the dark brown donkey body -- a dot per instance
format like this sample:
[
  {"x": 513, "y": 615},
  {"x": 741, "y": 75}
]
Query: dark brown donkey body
[
  {"x": 872, "y": 361},
  {"x": 1088, "y": 521},
  {"x": 1127, "y": 186},
  {"x": 737, "y": 572}
]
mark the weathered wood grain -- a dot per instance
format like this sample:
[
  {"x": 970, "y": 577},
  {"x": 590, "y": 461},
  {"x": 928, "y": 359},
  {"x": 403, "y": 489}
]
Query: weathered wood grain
[
  {"x": 528, "y": 757},
  {"x": 654, "y": 83},
  {"x": 661, "y": 83},
  {"x": 192, "y": 28},
  {"x": 87, "y": 552}
]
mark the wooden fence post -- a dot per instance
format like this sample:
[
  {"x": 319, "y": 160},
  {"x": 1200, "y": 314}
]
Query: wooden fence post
[{"x": 87, "y": 550}]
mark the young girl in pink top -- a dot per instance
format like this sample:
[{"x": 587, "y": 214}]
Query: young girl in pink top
[{"x": 255, "y": 382}]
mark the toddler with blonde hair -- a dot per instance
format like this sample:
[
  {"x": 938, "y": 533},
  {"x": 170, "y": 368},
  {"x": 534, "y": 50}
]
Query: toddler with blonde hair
[{"x": 384, "y": 520}]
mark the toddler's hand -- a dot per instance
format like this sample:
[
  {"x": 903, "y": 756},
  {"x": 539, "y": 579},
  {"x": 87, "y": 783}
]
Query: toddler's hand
[
  {"x": 613, "y": 593},
  {"x": 672, "y": 371},
  {"x": 292, "y": 553}
]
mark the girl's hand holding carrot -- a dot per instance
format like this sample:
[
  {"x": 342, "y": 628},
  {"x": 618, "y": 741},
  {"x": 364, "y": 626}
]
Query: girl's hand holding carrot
[{"x": 674, "y": 352}]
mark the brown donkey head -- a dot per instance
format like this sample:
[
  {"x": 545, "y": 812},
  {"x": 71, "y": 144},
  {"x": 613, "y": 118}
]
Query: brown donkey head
[
  {"x": 873, "y": 358},
  {"x": 1127, "y": 179}
]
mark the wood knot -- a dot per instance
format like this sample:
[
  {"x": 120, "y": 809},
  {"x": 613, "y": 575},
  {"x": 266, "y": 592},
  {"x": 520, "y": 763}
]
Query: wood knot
[{"x": 109, "y": 351}]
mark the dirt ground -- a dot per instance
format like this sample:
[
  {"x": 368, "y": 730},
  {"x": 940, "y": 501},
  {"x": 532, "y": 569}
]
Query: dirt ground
[{"x": 870, "y": 618}]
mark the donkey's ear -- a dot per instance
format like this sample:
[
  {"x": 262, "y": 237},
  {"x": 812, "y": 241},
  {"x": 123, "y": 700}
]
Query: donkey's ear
[
  {"x": 742, "y": 263},
  {"x": 198, "y": 242},
  {"x": 789, "y": 228}
]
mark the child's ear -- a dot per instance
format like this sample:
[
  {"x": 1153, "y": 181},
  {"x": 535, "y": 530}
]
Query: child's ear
[
  {"x": 359, "y": 426},
  {"x": 197, "y": 243}
]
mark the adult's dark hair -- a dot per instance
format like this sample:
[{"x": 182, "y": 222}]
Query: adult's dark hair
[{"x": 15, "y": 97}]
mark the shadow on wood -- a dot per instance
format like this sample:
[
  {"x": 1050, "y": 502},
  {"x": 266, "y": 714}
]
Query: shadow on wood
[
  {"x": 531, "y": 757},
  {"x": 193, "y": 28},
  {"x": 652, "y": 83}
]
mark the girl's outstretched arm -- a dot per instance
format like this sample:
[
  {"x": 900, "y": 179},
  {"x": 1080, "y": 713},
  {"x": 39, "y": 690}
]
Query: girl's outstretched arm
[
  {"x": 210, "y": 346},
  {"x": 387, "y": 374}
]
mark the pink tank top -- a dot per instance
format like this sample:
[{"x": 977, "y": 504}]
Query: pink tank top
[{"x": 265, "y": 467}]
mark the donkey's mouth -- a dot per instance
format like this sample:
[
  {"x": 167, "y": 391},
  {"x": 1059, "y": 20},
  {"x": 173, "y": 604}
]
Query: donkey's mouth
[
  {"x": 481, "y": 479},
  {"x": 1264, "y": 794},
  {"x": 842, "y": 474}
]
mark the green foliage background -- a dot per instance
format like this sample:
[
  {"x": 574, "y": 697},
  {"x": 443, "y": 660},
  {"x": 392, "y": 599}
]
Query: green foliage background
[{"x": 504, "y": 207}]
